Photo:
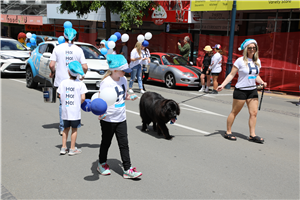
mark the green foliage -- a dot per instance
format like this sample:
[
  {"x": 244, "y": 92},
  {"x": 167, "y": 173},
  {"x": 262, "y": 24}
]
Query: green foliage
[{"x": 131, "y": 12}]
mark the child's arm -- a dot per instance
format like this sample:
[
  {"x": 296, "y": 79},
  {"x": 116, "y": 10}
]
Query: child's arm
[{"x": 82, "y": 98}]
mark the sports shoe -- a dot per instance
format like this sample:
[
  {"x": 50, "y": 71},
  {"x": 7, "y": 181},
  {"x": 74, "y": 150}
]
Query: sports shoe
[
  {"x": 214, "y": 92},
  {"x": 130, "y": 91},
  {"x": 74, "y": 152},
  {"x": 60, "y": 132},
  {"x": 202, "y": 89},
  {"x": 132, "y": 173},
  {"x": 63, "y": 151},
  {"x": 206, "y": 89},
  {"x": 103, "y": 169},
  {"x": 142, "y": 91}
]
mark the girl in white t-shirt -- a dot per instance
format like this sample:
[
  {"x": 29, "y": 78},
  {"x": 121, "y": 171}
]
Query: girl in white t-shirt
[
  {"x": 72, "y": 94},
  {"x": 145, "y": 62},
  {"x": 215, "y": 67},
  {"x": 136, "y": 66},
  {"x": 245, "y": 90},
  {"x": 114, "y": 121}
]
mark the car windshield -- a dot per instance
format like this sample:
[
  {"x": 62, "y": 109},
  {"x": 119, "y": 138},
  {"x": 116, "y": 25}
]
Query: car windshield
[
  {"x": 12, "y": 45},
  {"x": 174, "y": 60},
  {"x": 91, "y": 52}
]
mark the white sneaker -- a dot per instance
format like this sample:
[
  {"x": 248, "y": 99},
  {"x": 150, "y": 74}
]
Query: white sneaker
[
  {"x": 201, "y": 90},
  {"x": 63, "y": 151},
  {"x": 103, "y": 169},
  {"x": 132, "y": 173},
  {"x": 130, "y": 91},
  {"x": 142, "y": 91},
  {"x": 74, "y": 152},
  {"x": 207, "y": 89}
]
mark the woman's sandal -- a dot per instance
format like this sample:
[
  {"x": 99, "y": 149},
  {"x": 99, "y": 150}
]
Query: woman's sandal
[
  {"x": 256, "y": 139},
  {"x": 229, "y": 136}
]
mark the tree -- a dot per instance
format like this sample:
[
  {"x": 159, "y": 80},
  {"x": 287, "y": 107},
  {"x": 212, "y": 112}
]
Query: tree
[{"x": 131, "y": 12}]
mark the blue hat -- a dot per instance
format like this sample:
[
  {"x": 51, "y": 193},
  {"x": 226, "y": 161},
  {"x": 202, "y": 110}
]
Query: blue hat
[
  {"x": 246, "y": 43},
  {"x": 117, "y": 62},
  {"x": 145, "y": 43},
  {"x": 75, "y": 68},
  {"x": 70, "y": 33}
]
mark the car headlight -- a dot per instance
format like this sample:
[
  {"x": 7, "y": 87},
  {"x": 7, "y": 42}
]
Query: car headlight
[
  {"x": 188, "y": 74},
  {"x": 5, "y": 57}
]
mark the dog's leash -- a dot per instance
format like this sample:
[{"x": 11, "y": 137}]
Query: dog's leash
[{"x": 193, "y": 98}]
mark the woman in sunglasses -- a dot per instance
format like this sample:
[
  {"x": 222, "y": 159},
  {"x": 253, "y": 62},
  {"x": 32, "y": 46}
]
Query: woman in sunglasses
[{"x": 245, "y": 90}]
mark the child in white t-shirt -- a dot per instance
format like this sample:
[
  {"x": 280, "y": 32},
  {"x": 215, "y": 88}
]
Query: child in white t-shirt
[
  {"x": 72, "y": 93},
  {"x": 114, "y": 121}
]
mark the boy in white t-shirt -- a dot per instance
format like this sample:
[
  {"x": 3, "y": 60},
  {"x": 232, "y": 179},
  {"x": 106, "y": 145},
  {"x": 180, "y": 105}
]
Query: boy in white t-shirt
[{"x": 72, "y": 93}]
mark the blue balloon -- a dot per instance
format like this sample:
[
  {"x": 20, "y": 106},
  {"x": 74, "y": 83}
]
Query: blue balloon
[
  {"x": 118, "y": 35},
  {"x": 86, "y": 105},
  {"x": 61, "y": 40},
  {"x": 106, "y": 44},
  {"x": 33, "y": 36},
  {"x": 28, "y": 44},
  {"x": 103, "y": 51},
  {"x": 68, "y": 24},
  {"x": 114, "y": 38},
  {"x": 109, "y": 39},
  {"x": 32, "y": 40},
  {"x": 98, "y": 106}
]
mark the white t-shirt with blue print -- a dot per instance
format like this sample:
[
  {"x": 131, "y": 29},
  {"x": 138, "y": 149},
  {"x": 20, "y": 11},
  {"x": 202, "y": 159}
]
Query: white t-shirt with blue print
[
  {"x": 247, "y": 74},
  {"x": 117, "y": 111}
]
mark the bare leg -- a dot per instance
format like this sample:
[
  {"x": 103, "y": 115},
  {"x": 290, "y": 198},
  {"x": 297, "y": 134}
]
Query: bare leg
[
  {"x": 73, "y": 138},
  {"x": 207, "y": 81},
  {"x": 252, "y": 107},
  {"x": 202, "y": 79},
  {"x": 237, "y": 105},
  {"x": 215, "y": 82},
  {"x": 65, "y": 137}
]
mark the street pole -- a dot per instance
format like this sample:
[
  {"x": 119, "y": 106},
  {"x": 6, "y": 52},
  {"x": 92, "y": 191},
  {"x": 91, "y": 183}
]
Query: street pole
[{"x": 231, "y": 39}]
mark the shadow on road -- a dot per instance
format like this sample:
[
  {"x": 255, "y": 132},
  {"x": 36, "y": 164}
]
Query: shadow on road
[
  {"x": 151, "y": 132},
  {"x": 296, "y": 103},
  {"x": 222, "y": 133}
]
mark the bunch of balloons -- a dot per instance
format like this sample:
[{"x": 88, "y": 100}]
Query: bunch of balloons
[
  {"x": 141, "y": 38},
  {"x": 32, "y": 39},
  {"x": 100, "y": 101}
]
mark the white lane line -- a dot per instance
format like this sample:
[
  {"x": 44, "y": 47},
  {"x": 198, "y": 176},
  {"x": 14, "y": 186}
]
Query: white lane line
[
  {"x": 176, "y": 124},
  {"x": 201, "y": 110},
  {"x": 212, "y": 95},
  {"x": 18, "y": 80}
]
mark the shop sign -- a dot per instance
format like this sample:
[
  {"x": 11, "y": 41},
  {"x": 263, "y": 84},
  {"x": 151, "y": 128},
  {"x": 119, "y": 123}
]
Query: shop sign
[
  {"x": 22, "y": 19},
  {"x": 33, "y": 28},
  {"x": 181, "y": 26},
  {"x": 226, "y": 5}
]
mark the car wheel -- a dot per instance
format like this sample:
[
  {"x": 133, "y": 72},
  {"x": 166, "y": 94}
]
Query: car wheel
[
  {"x": 170, "y": 80},
  {"x": 29, "y": 79}
]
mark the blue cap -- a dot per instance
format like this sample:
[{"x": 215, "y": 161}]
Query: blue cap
[
  {"x": 75, "y": 68},
  {"x": 117, "y": 62},
  {"x": 70, "y": 33}
]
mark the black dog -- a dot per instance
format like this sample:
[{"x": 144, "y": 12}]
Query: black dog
[{"x": 155, "y": 108}]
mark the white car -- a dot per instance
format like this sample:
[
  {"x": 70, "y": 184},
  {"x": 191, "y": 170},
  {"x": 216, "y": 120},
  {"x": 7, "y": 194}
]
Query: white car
[
  {"x": 37, "y": 66},
  {"x": 13, "y": 56}
]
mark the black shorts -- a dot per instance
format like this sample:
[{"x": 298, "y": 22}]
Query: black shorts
[
  {"x": 215, "y": 74},
  {"x": 204, "y": 71},
  {"x": 72, "y": 123},
  {"x": 244, "y": 94}
]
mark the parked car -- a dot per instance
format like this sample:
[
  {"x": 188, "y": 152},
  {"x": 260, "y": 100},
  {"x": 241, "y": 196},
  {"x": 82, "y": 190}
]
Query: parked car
[
  {"x": 173, "y": 70},
  {"x": 37, "y": 66},
  {"x": 41, "y": 38},
  {"x": 13, "y": 56}
]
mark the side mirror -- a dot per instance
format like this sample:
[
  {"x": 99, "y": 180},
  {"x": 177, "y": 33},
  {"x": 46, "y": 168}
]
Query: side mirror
[
  {"x": 47, "y": 55},
  {"x": 156, "y": 62}
]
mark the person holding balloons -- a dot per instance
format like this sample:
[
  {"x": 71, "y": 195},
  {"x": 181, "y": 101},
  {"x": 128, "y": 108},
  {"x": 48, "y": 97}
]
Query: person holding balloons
[
  {"x": 62, "y": 55},
  {"x": 135, "y": 65},
  {"x": 145, "y": 61},
  {"x": 72, "y": 94},
  {"x": 114, "y": 121}
]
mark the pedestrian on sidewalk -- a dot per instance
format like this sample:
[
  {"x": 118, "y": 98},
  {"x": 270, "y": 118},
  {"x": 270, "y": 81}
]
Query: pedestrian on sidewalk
[
  {"x": 114, "y": 121},
  {"x": 136, "y": 66},
  {"x": 185, "y": 50},
  {"x": 72, "y": 94},
  {"x": 145, "y": 62},
  {"x": 215, "y": 67},
  {"x": 248, "y": 67},
  {"x": 205, "y": 65}
]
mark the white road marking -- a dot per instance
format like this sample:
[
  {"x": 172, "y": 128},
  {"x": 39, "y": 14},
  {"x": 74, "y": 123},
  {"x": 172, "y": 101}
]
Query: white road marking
[
  {"x": 18, "y": 81},
  {"x": 176, "y": 124}
]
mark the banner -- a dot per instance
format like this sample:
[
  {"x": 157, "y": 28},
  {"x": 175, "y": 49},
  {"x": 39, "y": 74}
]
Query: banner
[
  {"x": 226, "y": 5},
  {"x": 22, "y": 19}
]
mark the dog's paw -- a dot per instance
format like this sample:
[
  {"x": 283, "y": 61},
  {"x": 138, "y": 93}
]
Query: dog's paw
[
  {"x": 145, "y": 130},
  {"x": 170, "y": 137}
]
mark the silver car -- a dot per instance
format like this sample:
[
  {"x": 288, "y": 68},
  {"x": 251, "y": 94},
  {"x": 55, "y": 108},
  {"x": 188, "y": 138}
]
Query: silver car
[{"x": 37, "y": 66}]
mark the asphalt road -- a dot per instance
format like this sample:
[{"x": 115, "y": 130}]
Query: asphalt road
[{"x": 198, "y": 163}]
